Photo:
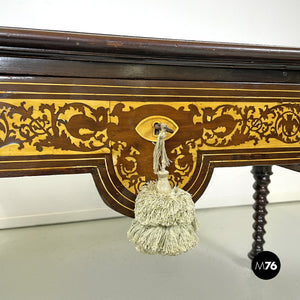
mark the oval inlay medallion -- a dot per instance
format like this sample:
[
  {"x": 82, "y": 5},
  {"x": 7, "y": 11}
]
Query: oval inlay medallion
[{"x": 146, "y": 130}]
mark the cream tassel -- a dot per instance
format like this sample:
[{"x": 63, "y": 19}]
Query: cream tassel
[{"x": 165, "y": 221}]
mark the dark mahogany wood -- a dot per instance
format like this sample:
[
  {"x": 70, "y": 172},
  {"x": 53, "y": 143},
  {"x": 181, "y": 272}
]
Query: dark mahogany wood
[
  {"x": 262, "y": 180},
  {"x": 64, "y": 53},
  {"x": 162, "y": 49}
]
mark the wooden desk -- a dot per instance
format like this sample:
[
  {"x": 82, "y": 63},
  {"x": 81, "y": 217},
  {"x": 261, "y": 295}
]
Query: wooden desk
[{"x": 82, "y": 103}]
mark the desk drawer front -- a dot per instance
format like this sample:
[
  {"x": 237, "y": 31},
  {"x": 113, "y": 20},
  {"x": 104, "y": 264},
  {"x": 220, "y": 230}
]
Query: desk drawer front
[{"x": 102, "y": 126}]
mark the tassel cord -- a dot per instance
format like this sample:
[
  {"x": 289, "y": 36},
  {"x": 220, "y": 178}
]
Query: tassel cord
[{"x": 160, "y": 157}]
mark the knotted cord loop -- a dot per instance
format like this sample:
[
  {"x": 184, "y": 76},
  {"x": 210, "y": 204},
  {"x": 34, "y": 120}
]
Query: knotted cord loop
[{"x": 160, "y": 158}]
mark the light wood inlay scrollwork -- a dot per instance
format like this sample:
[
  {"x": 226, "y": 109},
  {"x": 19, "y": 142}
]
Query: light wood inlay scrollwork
[{"x": 212, "y": 126}]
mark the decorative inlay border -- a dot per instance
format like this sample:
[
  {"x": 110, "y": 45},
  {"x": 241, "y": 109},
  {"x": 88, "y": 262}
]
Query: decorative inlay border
[
  {"x": 30, "y": 127},
  {"x": 36, "y": 122}
]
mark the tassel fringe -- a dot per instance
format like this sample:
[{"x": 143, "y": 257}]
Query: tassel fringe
[
  {"x": 163, "y": 240},
  {"x": 165, "y": 223}
]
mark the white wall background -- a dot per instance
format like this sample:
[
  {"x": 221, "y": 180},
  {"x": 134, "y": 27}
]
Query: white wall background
[
  {"x": 51, "y": 199},
  {"x": 272, "y": 22}
]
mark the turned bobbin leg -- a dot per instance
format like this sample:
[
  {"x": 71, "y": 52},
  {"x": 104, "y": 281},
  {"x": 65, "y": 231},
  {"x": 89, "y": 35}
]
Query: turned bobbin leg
[{"x": 261, "y": 175}]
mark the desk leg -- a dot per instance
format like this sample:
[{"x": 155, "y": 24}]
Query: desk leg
[{"x": 261, "y": 175}]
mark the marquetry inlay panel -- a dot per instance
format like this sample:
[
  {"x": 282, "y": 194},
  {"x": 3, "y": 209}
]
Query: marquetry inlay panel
[{"x": 116, "y": 120}]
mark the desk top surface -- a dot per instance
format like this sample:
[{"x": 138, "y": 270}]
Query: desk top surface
[{"x": 139, "y": 47}]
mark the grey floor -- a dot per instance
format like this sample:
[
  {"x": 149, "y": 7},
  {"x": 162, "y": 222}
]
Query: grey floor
[{"x": 94, "y": 260}]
